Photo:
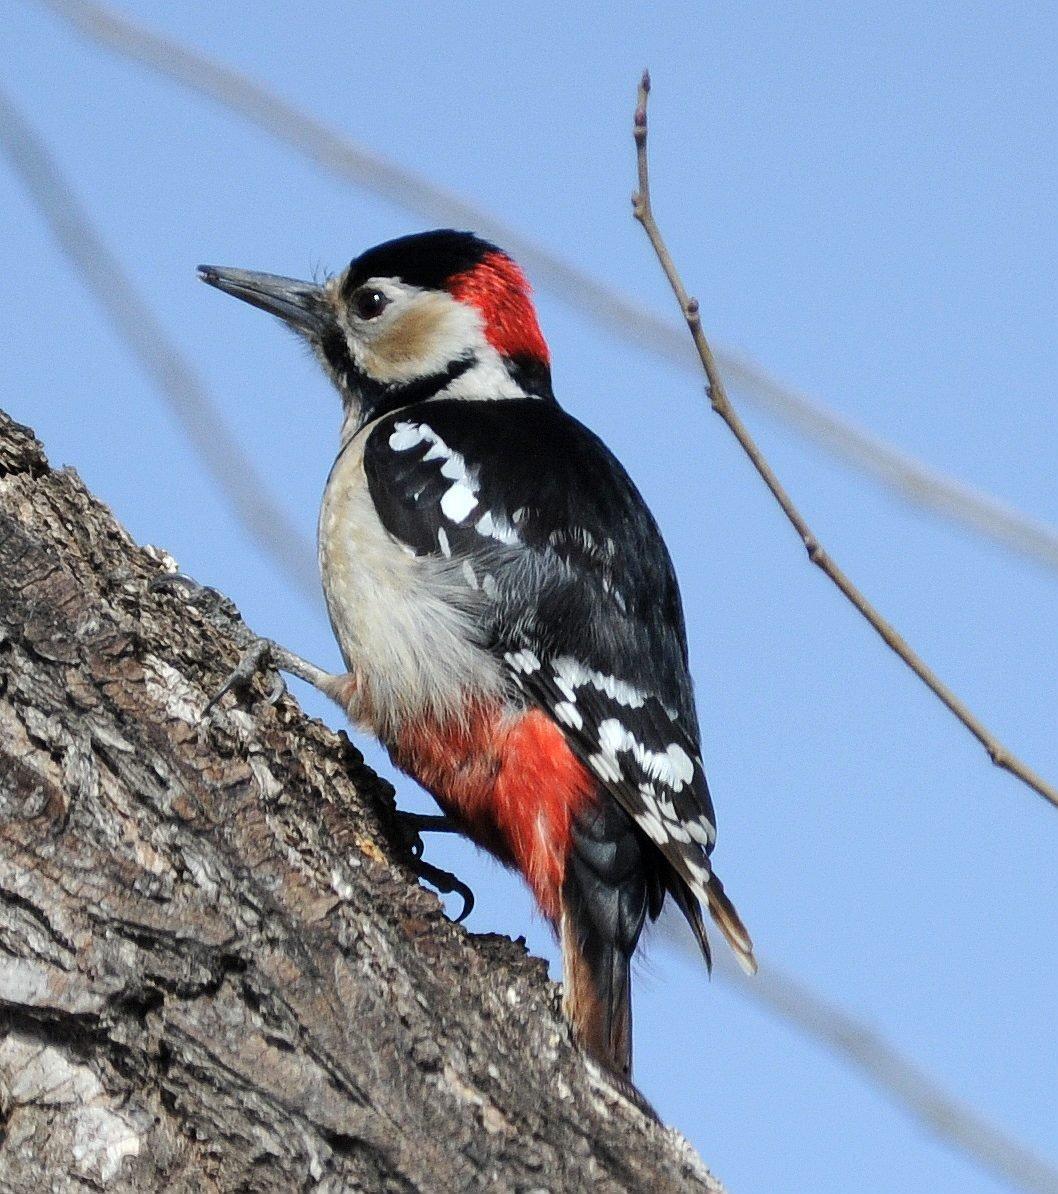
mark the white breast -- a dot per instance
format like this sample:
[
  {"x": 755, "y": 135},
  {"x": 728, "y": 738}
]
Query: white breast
[{"x": 405, "y": 624}]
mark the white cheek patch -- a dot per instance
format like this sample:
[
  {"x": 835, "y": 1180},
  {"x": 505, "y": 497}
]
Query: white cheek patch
[{"x": 419, "y": 334}]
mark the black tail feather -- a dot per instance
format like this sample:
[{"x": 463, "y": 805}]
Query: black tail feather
[
  {"x": 610, "y": 886},
  {"x": 692, "y": 911}
]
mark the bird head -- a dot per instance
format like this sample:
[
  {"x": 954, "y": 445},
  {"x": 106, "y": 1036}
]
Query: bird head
[{"x": 435, "y": 313}]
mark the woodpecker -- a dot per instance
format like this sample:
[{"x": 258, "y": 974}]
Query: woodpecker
[{"x": 506, "y": 608}]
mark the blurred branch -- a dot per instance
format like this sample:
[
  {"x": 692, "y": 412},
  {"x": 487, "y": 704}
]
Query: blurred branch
[
  {"x": 947, "y": 1117},
  {"x": 136, "y": 324},
  {"x": 909, "y": 479},
  {"x": 643, "y": 212}
]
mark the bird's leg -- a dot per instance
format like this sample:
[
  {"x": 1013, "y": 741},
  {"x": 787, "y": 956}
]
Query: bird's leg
[
  {"x": 409, "y": 827},
  {"x": 415, "y": 824},
  {"x": 260, "y": 654},
  {"x": 263, "y": 654}
]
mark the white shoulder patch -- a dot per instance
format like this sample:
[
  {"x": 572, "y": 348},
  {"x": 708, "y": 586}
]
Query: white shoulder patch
[{"x": 460, "y": 498}]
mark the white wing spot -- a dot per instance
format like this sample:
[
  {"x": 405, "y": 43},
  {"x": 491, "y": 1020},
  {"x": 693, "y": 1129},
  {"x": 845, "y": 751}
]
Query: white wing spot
[
  {"x": 461, "y": 496},
  {"x": 651, "y": 825},
  {"x": 468, "y": 575},
  {"x": 667, "y": 809},
  {"x": 702, "y": 832},
  {"x": 569, "y": 715},
  {"x": 457, "y": 502},
  {"x": 495, "y": 526},
  {"x": 605, "y": 767},
  {"x": 405, "y": 436},
  {"x": 523, "y": 661},
  {"x": 698, "y": 875},
  {"x": 571, "y": 674},
  {"x": 442, "y": 540},
  {"x": 672, "y": 766}
]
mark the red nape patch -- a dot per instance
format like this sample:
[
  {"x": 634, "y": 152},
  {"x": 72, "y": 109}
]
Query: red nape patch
[
  {"x": 499, "y": 290},
  {"x": 513, "y": 784}
]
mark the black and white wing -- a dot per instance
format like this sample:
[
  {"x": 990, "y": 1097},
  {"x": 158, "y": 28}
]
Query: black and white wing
[{"x": 581, "y": 603}]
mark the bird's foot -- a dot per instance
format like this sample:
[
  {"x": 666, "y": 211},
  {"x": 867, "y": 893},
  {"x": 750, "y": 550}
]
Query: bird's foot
[
  {"x": 218, "y": 610},
  {"x": 446, "y": 883},
  {"x": 414, "y": 824},
  {"x": 410, "y": 826},
  {"x": 262, "y": 655},
  {"x": 258, "y": 657},
  {"x": 258, "y": 654}
]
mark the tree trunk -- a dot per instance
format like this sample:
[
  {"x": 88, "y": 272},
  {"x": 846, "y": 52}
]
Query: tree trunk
[{"x": 216, "y": 973}]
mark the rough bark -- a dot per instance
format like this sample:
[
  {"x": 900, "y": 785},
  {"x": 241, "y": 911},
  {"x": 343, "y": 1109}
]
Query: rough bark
[{"x": 215, "y": 971}]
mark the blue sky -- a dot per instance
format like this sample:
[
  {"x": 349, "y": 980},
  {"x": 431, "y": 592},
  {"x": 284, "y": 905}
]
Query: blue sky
[{"x": 864, "y": 202}]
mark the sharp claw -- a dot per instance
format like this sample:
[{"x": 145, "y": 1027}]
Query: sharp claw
[
  {"x": 279, "y": 689},
  {"x": 447, "y": 884},
  {"x": 468, "y": 901},
  {"x": 192, "y": 588},
  {"x": 214, "y": 700},
  {"x": 412, "y": 825},
  {"x": 245, "y": 670}
]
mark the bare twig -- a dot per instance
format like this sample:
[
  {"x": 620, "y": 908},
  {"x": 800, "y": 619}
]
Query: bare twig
[
  {"x": 909, "y": 479},
  {"x": 194, "y": 409},
  {"x": 718, "y": 397},
  {"x": 906, "y": 477},
  {"x": 943, "y": 1114}
]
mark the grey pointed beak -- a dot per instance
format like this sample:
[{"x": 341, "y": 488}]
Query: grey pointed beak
[{"x": 299, "y": 304}]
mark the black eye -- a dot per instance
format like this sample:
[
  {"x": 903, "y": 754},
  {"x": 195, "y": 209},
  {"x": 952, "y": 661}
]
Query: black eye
[{"x": 368, "y": 303}]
